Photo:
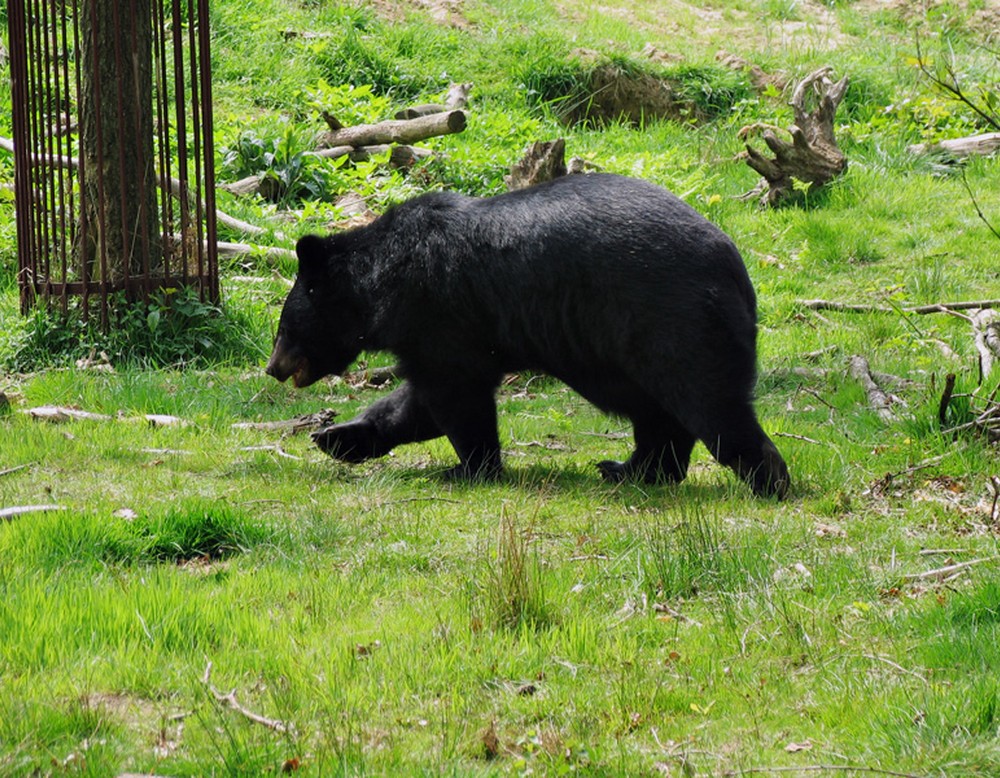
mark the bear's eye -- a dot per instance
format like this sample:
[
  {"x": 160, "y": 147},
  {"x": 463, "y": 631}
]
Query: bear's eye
[{"x": 309, "y": 291}]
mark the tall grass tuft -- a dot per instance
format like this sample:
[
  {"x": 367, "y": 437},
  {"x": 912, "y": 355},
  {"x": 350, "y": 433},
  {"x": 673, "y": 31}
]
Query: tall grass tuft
[
  {"x": 699, "y": 554},
  {"x": 509, "y": 592}
]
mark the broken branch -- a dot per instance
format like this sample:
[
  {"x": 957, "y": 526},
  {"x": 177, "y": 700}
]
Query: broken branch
[
  {"x": 229, "y": 700},
  {"x": 7, "y": 514},
  {"x": 831, "y": 305},
  {"x": 858, "y": 369},
  {"x": 947, "y": 570}
]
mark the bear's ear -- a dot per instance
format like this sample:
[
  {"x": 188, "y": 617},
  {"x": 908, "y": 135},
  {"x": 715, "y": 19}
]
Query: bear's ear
[{"x": 312, "y": 253}]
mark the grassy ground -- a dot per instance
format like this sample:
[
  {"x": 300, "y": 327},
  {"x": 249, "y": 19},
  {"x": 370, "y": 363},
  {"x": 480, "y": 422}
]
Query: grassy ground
[{"x": 382, "y": 621}]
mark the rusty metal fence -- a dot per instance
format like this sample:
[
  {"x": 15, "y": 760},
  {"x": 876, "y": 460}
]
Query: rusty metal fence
[{"x": 114, "y": 167}]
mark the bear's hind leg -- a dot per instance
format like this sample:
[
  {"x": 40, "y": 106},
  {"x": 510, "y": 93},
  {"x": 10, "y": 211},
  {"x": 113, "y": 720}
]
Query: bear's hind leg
[
  {"x": 398, "y": 418},
  {"x": 662, "y": 452}
]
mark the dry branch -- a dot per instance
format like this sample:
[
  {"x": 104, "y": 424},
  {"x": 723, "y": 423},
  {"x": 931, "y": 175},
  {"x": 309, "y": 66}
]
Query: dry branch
[
  {"x": 949, "y": 388},
  {"x": 396, "y": 130},
  {"x": 813, "y": 156},
  {"x": 831, "y": 305},
  {"x": 305, "y": 423},
  {"x": 858, "y": 369},
  {"x": 947, "y": 570},
  {"x": 986, "y": 331},
  {"x": 7, "y": 514},
  {"x": 229, "y": 700}
]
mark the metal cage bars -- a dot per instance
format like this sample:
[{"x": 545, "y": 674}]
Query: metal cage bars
[{"x": 52, "y": 176}]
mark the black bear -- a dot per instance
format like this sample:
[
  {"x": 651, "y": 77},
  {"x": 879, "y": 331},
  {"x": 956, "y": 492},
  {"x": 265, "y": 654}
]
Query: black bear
[{"x": 611, "y": 284}]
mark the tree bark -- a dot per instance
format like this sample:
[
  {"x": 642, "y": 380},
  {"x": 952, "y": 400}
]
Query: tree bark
[{"x": 119, "y": 233}]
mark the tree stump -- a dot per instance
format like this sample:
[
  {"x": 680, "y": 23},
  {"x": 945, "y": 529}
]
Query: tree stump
[
  {"x": 813, "y": 157},
  {"x": 543, "y": 161}
]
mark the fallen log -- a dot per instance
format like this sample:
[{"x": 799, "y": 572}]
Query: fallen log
[
  {"x": 982, "y": 145},
  {"x": 226, "y": 249},
  {"x": 396, "y": 130},
  {"x": 457, "y": 99}
]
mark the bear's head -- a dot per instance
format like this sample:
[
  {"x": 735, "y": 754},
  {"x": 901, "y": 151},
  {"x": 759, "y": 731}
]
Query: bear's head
[{"x": 320, "y": 331}]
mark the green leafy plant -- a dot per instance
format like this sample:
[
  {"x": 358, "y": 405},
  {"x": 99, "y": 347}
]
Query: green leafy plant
[
  {"x": 349, "y": 103},
  {"x": 173, "y": 327}
]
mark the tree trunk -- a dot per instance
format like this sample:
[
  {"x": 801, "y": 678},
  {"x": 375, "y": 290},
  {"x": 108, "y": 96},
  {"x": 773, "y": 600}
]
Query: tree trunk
[{"x": 119, "y": 234}]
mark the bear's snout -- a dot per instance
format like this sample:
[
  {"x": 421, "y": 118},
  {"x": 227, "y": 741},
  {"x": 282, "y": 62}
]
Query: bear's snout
[{"x": 286, "y": 363}]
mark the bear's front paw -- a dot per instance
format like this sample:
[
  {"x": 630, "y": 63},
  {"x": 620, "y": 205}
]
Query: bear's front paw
[
  {"x": 485, "y": 471},
  {"x": 352, "y": 442},
  {"x": 613, "y": 472}
]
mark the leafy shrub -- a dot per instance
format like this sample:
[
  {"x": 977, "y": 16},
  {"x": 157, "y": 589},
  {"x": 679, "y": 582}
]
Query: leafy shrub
[
  {"x": 287, "y": 173},
  {"x": 354, "y": 58},
  {"x": 174, "y": 327},
  {"x": 622, "y": 89},
  {"x": 712, "y": 90},
  {"x": 349, "y": 103}
]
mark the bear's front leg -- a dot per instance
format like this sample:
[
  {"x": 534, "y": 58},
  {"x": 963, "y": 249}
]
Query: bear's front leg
[
  {"x": 398, "y": 418},
  {"x": 468, "y": 416},
  {"x": 662, "y": 451}
]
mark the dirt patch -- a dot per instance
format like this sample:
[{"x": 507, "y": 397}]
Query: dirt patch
[
  {"x": 615, "y": 94},
  {"x": 449, "y": 13},
  {"x": 600, "y": 90},
  {"x": 985, "y": 20}
]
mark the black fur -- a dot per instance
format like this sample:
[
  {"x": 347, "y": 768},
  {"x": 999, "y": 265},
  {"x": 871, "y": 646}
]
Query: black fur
[{"x": 611, "y": 284}]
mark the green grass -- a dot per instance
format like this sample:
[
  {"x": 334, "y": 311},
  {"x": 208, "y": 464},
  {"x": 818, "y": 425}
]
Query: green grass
[{"x": 549, "y": 623}]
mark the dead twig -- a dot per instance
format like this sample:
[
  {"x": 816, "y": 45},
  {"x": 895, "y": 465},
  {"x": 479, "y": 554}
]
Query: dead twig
[
  {"x": 6, "y": 514},
  {"x": 229, "y": 700},
  {"x": 921, "y": 310},
  {"x": 819, "y": 768},
  {"x": 947, "y": 570},
  {"x": 887, "y": 661},
  {"x": 275, "y": 448},
  {"x": 803, "y": 438},
  {"x": 975, "y": 204},
  {"x": 12, "y": 470}
]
